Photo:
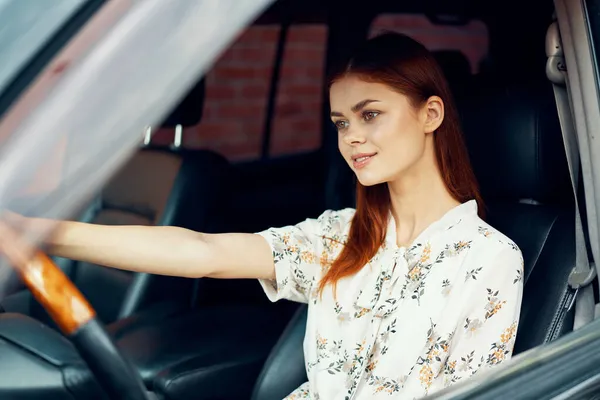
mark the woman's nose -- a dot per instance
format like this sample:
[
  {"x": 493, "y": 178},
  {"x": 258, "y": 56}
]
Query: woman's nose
[{"x": 355, "y": 136}]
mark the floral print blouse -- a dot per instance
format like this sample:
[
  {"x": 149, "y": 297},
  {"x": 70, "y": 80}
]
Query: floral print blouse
[{"x": 413, "y": 320}]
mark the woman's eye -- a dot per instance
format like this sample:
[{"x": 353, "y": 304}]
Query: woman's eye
[
  {"x": 341, "y": 124},
  {"x": 369, "y": 115}
]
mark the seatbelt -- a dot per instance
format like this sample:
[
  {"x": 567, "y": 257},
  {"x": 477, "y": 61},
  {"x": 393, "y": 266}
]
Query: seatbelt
[{"x": 584, "y": 273}]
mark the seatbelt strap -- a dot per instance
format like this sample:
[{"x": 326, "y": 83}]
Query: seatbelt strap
[{"x": 583, "y": 274}]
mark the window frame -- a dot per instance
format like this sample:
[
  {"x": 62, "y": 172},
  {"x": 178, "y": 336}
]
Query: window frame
[{"x": 46, "y": 52}]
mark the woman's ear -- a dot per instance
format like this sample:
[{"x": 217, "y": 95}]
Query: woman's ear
[{"x": 434, "y": 113}]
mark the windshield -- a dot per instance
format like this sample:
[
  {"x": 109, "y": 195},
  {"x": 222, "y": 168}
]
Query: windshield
[
  {"x": 26, "y": 26},
  {"x": 70, "y": 142}
]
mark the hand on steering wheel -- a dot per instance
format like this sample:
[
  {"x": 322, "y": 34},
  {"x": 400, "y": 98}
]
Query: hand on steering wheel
[{"x": 71, "y": 311}]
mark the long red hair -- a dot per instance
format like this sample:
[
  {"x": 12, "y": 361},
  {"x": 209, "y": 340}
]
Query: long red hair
[{"x": 406, "y": 66}]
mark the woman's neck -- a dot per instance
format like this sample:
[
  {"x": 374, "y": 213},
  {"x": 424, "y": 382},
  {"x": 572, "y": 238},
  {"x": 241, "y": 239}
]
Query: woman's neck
[{"x": 418, "y": 199}]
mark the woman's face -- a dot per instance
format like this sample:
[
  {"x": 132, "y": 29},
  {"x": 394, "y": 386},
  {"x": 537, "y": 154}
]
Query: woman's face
[{"x": 380, "y": 134}]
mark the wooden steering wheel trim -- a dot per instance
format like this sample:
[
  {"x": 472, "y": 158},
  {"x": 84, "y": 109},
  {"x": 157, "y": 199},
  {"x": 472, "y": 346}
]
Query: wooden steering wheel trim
[
  {"x": 76, "y": 319},
  {"x": 47, "y": 282},
  {"x": 56, "y": 293}
]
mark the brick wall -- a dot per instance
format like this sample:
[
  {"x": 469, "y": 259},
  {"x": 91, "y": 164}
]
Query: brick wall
[{"x": 238, "y": 85}]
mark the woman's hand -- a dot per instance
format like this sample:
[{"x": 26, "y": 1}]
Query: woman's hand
[{"x": 15, "y": 230}]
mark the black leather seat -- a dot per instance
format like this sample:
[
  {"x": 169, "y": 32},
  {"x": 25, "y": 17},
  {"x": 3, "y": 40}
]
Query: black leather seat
[
  {"x": 456, "y": 67},
  {"x": 284, "y": 370},
  {"x": 157, "y": 186},
  {"x": 516, "y": 148}
]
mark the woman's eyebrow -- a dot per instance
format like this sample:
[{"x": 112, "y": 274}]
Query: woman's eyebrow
[
  {"x": 355, "y": 108},
  {"x": 362, "y": 104}
]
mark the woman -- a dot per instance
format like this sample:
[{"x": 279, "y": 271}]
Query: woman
[{"x": 409, "y": 293}]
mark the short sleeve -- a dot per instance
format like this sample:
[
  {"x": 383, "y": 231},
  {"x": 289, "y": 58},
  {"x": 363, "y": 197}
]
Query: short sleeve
[
  {"x": 486, "y": 333},
  {"x": 299, "y": 255}
]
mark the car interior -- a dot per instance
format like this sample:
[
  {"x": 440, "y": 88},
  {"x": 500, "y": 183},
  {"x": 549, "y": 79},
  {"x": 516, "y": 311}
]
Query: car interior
[
  {"x": 222, "y": 339},
  {"x": 168, "y": 184}
]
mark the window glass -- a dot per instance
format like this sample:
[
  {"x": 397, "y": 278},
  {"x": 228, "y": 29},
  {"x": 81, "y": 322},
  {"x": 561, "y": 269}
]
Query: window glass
[
  {"x": 25, "y": 27},
  {"x": 297, "y": 119},
  {"x": 237, "y": 89}
]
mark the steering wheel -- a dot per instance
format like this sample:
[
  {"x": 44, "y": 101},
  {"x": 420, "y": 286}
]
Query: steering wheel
[{"x": 77, "y": 320}]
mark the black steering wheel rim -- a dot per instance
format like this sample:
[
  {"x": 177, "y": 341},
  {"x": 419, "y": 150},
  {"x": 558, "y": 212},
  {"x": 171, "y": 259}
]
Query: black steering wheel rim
[{"x": 78, "y": 321}]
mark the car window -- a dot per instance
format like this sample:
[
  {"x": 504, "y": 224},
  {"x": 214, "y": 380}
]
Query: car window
[
  {"x": 237, "y": 87},
  {"x": 297, "y": 119},
  {"x": 237, "y": 91},
  {"x": 25, "y": 27}
]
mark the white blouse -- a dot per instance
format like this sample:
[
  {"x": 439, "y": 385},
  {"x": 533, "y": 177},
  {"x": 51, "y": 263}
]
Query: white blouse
[{"x": 413, "y": 320}]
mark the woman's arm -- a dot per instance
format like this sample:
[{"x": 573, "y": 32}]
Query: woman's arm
[{"x": 163, "y": 250}]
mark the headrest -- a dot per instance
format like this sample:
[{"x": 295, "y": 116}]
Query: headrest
[
  {"x": 515, "y": 143},
  {"x": 189, "y": 111},
  {"x": 455, "y": 65}
]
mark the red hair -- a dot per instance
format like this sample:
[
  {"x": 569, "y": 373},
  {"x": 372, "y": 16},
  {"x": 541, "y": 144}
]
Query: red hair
[{"x": 406, "y": 66}]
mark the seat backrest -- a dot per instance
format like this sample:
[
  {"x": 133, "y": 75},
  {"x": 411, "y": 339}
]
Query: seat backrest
[
  {"x": 137, "y": 195},
  {"x": 287, "y": 358},
  {"x": 155, "y": 187},
  {"x": 456, "y": 67},
  {"x": 516, "y": 148}
]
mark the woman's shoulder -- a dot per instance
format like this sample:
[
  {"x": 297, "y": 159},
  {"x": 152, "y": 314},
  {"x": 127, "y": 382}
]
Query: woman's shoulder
[
  {"x": 337, "y": 221},
  {"x": 342, "y": 215},
  {"x": 334, "y": 222},
  {"x": 488, "y": 241}
]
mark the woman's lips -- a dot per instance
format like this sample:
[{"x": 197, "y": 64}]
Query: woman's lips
[{"x": 361, "y": 160}]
